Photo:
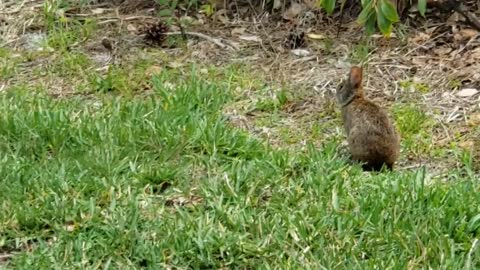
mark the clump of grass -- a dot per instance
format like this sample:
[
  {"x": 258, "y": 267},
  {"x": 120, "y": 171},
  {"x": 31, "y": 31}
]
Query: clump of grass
[
  {"x": 71, "y": 64},
  {"x": 415, "y": 128},
  {"x": 64, "y": 32},
  {"x": 8, "y": 64},
  {"x": 361, "y": 51},
  {"x": 274, "y": 102},
  {"x": 409, "y": 119},
  {"x": 417, "y": 86}
]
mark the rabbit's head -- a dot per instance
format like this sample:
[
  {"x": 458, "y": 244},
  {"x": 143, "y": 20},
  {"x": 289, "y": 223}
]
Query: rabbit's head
[{"x": 351, "y": 87}]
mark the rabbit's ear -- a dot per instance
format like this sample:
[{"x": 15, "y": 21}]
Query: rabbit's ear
[{"x": 356, "y": 77}]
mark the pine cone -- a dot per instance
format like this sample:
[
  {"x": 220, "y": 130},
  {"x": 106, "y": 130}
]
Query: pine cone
[
  {"x": 295, "y": 40},
  {"x": 155, "y": 34}
]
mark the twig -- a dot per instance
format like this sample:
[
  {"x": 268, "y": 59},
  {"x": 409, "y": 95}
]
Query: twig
[
  {"x": 200, "y": 35},
  {"x": 460, "y": 8},
  {"x": 15, "y": 10},
  {"x": 470, "y": 17},
  {"x": 6, "y": 257}
]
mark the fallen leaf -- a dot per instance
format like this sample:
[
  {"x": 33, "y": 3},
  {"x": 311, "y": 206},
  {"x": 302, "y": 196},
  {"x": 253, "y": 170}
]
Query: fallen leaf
[
  {"x": 475, "y": 54},
  {"x": 467, "y": 92},
  {"x": 474, "y": 120},
  {"x": 420, "y": 38},
  {"x": 131, "y": 28},
  {"x": 152, "y": 70},
  {"x": 69, "y": 226},
  {"x": 175, "y": 64},
  {"x": 98, "y": 10},
  {"x": 277, "y": 4},
  {"x": 315, "y": 36},
  {"x": 300, "y": 52},
  {"x": 220, "y": 15},
  {"x": 465, "y": 34},
  {"x": 250, "y": 38},
  {"x": 442, "y": 51},
  {"x": 454, "y": 18},
  {"x": 294, "y": 10},
  {"x": 467, "y": 145},
  {"x": 238, "y": 31}
]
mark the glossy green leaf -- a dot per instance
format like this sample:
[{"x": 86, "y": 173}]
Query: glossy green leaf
[
  {"x": 370, "y": 23},
  {"x": 366, "y": 2},
  {"x": 329, "y": 5},
  {"x": 366, "y": 13},
  {"x": 383, "y": 23},
  {"x": 389, "y": 11},
  {"x": 165, "y": 13},
  {"x": 422, "y": 7}
]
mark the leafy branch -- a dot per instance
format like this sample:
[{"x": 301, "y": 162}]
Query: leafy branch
[{"x": 375, "y": 13}]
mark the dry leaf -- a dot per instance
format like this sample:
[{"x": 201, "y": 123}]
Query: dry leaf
[
  {"x": 293, "y": 11},
  {"x": 465, "y": 34},
  {"x": 69, "y": 226},
  {"x": 175, "y": 64},
  {"x": 277, "y": 4},
  {"x": 220, "y": 16},
  {"x": 474, "y": 120},
  {"x": 98, "y": 10},
  {"x": 467, "y": 92},
  {"x": 300, "y": 52},
  {"x": 467, "y": 145},
  {"x": 131, "y": 28},
  {"x": 454, "y": 18},
  {"x": 315, "y": 36},
  {"x": 250, "y": 38},
  {"x": 238, "y": 31},
  {"x": 152, "y": 70},
  {"x": 475, "y": 54},
  {"x": 442, "y": 51},
  {"x": 420, "y": 38}
]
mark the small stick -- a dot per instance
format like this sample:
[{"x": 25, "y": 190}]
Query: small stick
[
  {"x": 460, "y": 8},
  {"x": 200, "y": 35},
  {"x": 471, "y": 19}
]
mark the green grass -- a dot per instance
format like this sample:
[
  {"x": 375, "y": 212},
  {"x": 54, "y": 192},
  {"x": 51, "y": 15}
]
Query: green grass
[
  {"x": 8, "y": 64},
  {"x": 416, "y": 130},
  {"x": 140, "y": 180},
  {"x": 417, "y": 86},
  {"x": 84, "y": 187}
]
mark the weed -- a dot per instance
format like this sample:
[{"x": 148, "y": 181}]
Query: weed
[
  {"x": 361, "y": 51},
  {"x": 8, "y": 65},
  {"x": 71, "y": 64},
  {"x": 274, "y": 103},
  {"x": 416, "y": 86},
  {"x": 64, "y": 32},
  {"x": 454, "y": 84},
  {"x": 415, "y": 129}
]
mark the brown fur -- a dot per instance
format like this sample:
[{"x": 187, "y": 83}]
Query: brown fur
[{"x": 372, "y": 137}]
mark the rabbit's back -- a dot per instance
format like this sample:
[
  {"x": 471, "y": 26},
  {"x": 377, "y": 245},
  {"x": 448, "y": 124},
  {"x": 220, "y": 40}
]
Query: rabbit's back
[{"x": 371, "y": 136}]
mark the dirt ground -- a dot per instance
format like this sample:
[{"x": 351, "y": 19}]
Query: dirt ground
[{"x": 431, "y": 67}]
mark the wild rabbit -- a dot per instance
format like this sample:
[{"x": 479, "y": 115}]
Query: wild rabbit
[{"x": 372, "y": 137}]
